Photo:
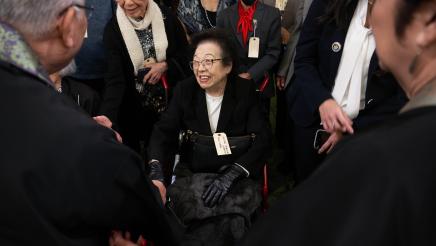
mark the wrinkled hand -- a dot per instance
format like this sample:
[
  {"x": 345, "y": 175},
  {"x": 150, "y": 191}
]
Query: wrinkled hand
[
  {"x": 285, "y": 34},
  {"x": 245, "y": 76},
  {"x": 106, "y": 122},
  {"x": 214, "y": 194},
  {"x": 333, "y": 118},
  {"x": 280, "y": 82},
  {"x": 331, "y": 142},
  {"x": 162, "y": 190},
  {"x": 155, "y": 73},
  {"x": 157, "y": 178},
  {"x": 118, "y": 239}
]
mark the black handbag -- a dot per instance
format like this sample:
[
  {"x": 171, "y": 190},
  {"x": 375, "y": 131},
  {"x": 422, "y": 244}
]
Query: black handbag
[
  {"x": 153, "y": 96},
  {"x": 199, "y": 152}
]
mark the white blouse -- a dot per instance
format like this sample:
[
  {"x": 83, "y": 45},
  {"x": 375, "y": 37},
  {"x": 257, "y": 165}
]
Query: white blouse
[{"x": 213, "y": 110}]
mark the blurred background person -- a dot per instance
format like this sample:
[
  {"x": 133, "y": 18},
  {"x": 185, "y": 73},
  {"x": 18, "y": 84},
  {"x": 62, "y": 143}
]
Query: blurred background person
[
  {"x": 91, "y": 62},
  {"x": 339, "y": 87},
  {"x": 378, "y": 189},
  {"x": 87, "y": 98},
  {"x": 199, "y": 15},
  {"x": 145, "y": 47},
  {"x": 295, "y": 11},
  {"x": 254, "y": 24}
]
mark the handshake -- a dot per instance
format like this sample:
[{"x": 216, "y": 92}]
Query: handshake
[{"x": 216, "y": 191}]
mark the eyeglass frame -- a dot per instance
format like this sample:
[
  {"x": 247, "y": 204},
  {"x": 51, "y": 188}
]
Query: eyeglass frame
[
  {"x": 191, "y": 63},
  {"x": 88, "y": 9}
]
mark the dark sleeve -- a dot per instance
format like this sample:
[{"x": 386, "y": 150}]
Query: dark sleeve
[
  {"x": 103, "y": 187},
  {"x": 345, "y": 202},
  {"x": 261, "y": 148},
  {"x": 273, "y": 49},
  {"x": 115, "y": 81},
  {"x": 307, "y": 59},
  {"x": 220, "y": 19},
  {"x": 166, "y": 130}
]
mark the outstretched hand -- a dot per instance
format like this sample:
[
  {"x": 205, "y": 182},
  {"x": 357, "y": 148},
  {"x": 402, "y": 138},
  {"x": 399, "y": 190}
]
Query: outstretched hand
[
  {"x": 106, "y": 122},
  {"x": 331, "y": 142}
]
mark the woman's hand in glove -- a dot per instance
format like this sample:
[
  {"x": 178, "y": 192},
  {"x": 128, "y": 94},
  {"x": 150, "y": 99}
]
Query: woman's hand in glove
[
  {"x": 216, "y": 191},
  {"x": 157, "y": 177}
]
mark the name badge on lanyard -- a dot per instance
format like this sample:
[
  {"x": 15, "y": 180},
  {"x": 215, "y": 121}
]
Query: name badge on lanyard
[{"x": 254, "y": 43}]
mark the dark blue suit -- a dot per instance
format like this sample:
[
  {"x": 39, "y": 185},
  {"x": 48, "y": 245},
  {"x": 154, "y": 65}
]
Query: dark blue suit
[{"x": 316, "y": 65}]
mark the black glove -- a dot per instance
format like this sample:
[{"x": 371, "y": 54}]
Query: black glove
[
  {"x": 216, "y": 191},
  {"x": 156, "y": 172}
]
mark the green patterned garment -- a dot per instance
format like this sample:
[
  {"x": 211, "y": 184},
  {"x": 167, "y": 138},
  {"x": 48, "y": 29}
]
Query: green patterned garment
[{"x": 14, "y": 50}]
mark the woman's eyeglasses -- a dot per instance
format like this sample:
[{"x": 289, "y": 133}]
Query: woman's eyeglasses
[{"x": 206, "y": 63}]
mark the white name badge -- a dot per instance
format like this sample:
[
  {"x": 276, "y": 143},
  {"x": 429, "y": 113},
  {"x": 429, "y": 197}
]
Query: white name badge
[
  {"x": 253, "y": 47},
  {"x": 86, "y": 34},
  {"x": 221, "y": 144}
]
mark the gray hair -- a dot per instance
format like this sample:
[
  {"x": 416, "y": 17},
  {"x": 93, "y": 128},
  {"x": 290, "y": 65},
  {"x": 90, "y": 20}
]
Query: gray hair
[{"x": 33, "y": 17}]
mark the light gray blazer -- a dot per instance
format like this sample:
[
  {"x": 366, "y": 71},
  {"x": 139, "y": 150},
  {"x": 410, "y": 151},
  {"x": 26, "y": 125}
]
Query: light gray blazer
[{"x": 293, "y": 19}]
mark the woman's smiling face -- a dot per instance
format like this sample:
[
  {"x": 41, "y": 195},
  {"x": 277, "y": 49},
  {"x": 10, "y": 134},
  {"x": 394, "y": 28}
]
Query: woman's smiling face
[
  {"x": 134, "y": 8},
  {"x": 208, "y": 67}
]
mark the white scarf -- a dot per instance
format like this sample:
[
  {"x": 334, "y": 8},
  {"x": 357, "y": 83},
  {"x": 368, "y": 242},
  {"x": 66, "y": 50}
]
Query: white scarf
[
  {"x": 128, "y": 26},
  {"x": 351, "y": 79}
]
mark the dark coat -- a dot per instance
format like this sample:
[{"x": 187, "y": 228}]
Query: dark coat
[
  {"x": 240, "y": 115},
  {"x": 121, "y": 101},
  {"x": 316, "y": 66},
  {"x": 268, "y": 30},
  {"x": 377, "y": 189},
  {"x": 64, "y": 179}
]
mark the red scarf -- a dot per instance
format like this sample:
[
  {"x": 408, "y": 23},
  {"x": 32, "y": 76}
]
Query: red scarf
[{"x": 245, "y": 23}]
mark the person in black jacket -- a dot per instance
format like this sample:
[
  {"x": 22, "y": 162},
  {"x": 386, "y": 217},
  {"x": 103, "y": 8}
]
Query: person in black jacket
[
  {"x": 249, "y": 20},
  {"x": 378, "y": 188},
  {"x": 338, "y": 85},
  {"x": 142, "y": 38},
  {"x": 210, "y": 189},
  {"x": 64, "y": 179}
]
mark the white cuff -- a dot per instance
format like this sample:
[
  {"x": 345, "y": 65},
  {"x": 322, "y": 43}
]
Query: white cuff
[{"x": 243, "y": 168}]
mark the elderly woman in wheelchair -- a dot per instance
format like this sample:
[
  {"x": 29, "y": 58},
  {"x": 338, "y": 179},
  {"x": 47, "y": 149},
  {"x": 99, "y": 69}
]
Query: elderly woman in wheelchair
[{"x": 226, "y": 141}]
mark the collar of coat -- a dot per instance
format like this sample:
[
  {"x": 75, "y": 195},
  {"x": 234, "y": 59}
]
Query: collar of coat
[
  {"x": 425, "y": 97},
  {"x": 15, "y": 51}
]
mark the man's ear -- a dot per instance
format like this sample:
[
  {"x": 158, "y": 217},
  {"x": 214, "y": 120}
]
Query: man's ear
[
  {"x": 427, "y": 36},
  {"x": 66, "y": 27}
]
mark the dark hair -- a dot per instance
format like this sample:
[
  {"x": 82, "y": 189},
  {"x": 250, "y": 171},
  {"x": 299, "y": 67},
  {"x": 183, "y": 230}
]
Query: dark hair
[
  {"x": 404, "y": 15},
  {"x": 221, "y": 38},
  {"x": 339, "y": 12}
]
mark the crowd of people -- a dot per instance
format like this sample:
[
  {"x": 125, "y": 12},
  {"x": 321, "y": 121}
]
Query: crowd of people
[{"x": 131, "y": 122}]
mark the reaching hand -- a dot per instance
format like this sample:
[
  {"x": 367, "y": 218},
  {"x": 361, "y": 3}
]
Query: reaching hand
[
  {"x": 245, "y": 76},
  {"x": 331, "y": 142},
  {"x": 118, "y": 239},
  {"x": 106, "y": 122},
  {"x": 157, "y": 178},
  {"x": 155, "y": 73},
  {"x": 216, "y": 191},
  {"x": 162, "y": 190},
  {"x": 280, "y": 82},
  {"x": 333, "y": 118}
]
